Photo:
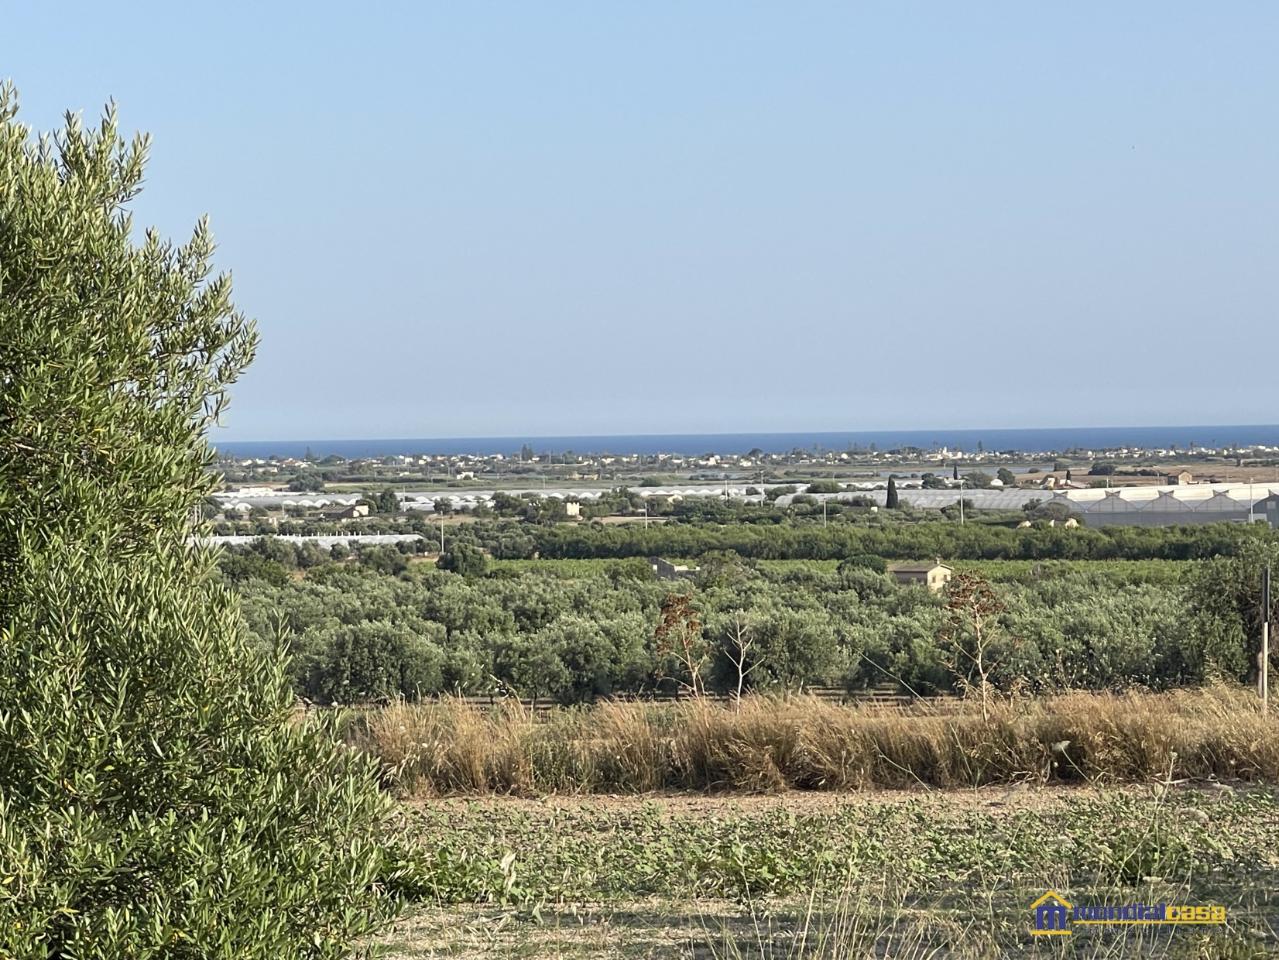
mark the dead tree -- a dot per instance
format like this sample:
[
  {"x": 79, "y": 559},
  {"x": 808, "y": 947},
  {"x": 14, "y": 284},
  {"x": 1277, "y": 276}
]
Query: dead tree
[
  {"x": 741, "y": 641},
  {"x": 679, "y": 638},
  {"x": 971, "y": 638}
]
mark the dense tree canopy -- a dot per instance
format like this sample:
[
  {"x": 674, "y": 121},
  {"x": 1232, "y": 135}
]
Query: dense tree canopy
[
  {"x": 573, "y": 630},
  {"x": 155, "y": 799}
]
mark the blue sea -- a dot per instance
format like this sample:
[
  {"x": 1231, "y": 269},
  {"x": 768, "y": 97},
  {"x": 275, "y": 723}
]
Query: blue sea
[{"x": 1045, "y": 440}]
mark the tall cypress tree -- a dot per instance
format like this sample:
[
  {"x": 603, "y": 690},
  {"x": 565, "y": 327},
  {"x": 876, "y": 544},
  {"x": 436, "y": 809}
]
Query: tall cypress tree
[
  {"x": 156, "y": 798},
  {"x": 892, "y": 500}
]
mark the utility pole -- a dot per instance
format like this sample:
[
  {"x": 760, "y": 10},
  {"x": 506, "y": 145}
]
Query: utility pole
[
  {"x": 1263, "y": 659},
  {"x": 823, "y": 513},
  {"x": 961, "y": 501},
  {"x": 441, "y": 535}
]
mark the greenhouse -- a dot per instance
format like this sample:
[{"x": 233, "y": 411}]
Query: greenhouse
[{"x": 1173, "y": 506}]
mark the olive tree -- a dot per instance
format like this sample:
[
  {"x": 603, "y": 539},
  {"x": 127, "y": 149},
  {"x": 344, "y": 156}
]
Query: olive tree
[{"x": 156, "y": 798}]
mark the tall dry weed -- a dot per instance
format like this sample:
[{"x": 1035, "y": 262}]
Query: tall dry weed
[{"x": 773, "y": 743}]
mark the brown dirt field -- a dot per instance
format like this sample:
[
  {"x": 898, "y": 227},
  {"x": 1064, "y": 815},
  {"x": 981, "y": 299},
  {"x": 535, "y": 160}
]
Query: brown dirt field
[
  {"x": 1202, "y": 473},
  {"x": 994, "y": 799}
]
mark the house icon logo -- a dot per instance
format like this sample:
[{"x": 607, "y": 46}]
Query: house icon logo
[{"x": 1052, "y": 915}]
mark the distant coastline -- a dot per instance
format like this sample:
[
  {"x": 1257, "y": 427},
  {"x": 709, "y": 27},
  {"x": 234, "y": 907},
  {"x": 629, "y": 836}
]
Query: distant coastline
[{"x": 1038, "y": 440}]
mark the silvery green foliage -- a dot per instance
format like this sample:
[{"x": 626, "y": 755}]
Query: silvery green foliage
[{"x": 156, "y": 799}]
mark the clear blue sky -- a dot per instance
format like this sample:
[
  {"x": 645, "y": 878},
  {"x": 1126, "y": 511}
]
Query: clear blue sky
[{"x": 562, "y": 218}]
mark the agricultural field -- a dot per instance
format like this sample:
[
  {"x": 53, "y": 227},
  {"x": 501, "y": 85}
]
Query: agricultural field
[
  {"x": 904, "y": 874},
  {"x": 386, "y": 623},
  {"x": 997, "y": 571},
  {"x": 1086, "y": 727},
  {"x": 766, "y": 829}
]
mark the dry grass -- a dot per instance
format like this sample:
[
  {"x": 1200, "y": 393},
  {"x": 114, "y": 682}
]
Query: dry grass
[{"x": 769, "y": 744}]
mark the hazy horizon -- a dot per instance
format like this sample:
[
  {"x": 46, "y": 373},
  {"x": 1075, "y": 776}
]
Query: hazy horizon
[
  {"x": 1030, "y": 441},
  {"x": 222, "y": 436},
  {"x": 225, "y": 436}
]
